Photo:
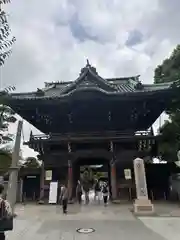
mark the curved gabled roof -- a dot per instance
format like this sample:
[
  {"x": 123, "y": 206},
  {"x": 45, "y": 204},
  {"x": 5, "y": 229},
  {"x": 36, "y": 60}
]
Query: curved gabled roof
[{"x": 90, "y": 80}]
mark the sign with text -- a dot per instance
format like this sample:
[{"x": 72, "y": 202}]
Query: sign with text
[
  {"x": 48, "y": 175},
  {"x": 127, "y": 174}
]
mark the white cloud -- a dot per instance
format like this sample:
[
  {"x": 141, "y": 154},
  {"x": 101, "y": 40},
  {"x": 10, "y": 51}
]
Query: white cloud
[{"x": 47, "y": 49}]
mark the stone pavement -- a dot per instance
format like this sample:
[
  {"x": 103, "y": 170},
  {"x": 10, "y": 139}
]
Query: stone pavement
[
  {"x": 112, "y": 222},
  {"x": 164, "y": 226}
]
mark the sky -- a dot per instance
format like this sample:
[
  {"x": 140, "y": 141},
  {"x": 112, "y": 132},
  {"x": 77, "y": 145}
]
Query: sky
[{"x": 120, "y": 38}]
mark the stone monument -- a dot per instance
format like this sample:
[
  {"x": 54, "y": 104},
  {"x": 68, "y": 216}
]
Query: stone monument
[
  {"x": 142, "y": 203},
  {"x": 14, "y": 169}
]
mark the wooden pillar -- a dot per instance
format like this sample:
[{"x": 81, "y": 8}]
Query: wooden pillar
[
  {"x": 113, "y": 174},
  {"x": 113, "y": 180},
  {"x": 42, "y": 180},
  {"x": 70, "y": 179},
  {"x": 70, "y": 174}
]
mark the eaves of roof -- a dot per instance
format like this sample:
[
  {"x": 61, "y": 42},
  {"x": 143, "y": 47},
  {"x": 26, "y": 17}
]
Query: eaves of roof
[{"x": 123, "y": 90}]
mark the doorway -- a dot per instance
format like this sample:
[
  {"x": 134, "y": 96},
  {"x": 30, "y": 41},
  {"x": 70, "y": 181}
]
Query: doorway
[
  {"x": 90, "y": 169},
  {"x": 31, "y": 187}
]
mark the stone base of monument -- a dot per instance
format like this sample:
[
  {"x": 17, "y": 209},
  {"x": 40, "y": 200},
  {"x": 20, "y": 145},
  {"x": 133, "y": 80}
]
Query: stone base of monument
[{"x": 143, "y": 206}]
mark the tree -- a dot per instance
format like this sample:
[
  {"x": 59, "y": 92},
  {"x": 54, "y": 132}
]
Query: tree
[
  {"x": 5, "y": 161},
  {"x": 6, "y": 40},
  {"x": 6, "y": 117},
  {"x": 169, "y": 71},
  {"x": 31, "y": 162}
]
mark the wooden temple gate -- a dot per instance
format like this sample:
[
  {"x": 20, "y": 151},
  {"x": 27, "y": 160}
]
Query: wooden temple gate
[
  {"x": 64, "y": 166},
  {"x": 94, "y": 114}
]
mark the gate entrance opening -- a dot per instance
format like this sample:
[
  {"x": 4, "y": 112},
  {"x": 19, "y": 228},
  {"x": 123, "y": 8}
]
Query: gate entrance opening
[{"x": 91, "y": 169}]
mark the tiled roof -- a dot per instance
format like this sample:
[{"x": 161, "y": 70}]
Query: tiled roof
[
  {"x": 88, "y": 80},
  {"x": 125, "y": 87}
]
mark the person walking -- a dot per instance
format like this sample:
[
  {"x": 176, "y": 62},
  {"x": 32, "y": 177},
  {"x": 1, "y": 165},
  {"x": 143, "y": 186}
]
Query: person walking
[
  {"x": 86, "y": 192},
  {"x": 64, "y": 198},
  {"x": 97, "y": 191},
  {"x": 105, "y": 192},
  {"x": 5, "y": 215},
  {"x": 79, "y": 192}
]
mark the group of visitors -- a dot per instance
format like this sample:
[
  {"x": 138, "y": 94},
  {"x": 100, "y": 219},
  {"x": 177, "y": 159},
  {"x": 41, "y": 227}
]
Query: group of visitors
[{"x": 101, "y": 190}]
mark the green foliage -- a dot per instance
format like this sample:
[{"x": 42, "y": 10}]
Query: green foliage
[
  {"x": 169, "y": 71},
  {"x": 5, "y": 160},
  {"x": 170, "y": 143},
  {"x": 6, "y": 41},
  {"x": 31, "y": 162},
  {"x": 6, "y": 117}
]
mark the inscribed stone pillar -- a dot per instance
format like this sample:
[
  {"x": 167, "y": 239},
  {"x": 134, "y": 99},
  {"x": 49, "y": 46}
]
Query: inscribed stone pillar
[
  {"x": 14, "y": 169},
  {"x": 142, "y": 203},
  {"x": 113, "y": 181}
]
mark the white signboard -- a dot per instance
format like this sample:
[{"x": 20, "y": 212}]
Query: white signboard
[
  {"x": 53, "y": 190},
  {"x": 127, "y": 174}
]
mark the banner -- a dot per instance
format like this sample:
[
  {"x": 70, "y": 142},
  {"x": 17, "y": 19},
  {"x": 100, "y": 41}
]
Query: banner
[
  {"x": 48, "y": 175},
  {"x": 127, "y": 174},
  {"x": 53, "y": 192}
]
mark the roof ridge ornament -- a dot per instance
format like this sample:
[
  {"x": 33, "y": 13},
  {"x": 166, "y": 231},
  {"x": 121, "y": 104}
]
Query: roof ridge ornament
[
  {"x": 88, "y": 64},
  {"x": 88, "y": 67}
]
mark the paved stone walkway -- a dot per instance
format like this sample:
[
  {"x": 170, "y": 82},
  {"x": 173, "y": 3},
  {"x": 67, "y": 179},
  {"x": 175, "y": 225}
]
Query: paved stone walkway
[
  {"x": 164, "y": 226},
  {"x": 113, "y": 222}
]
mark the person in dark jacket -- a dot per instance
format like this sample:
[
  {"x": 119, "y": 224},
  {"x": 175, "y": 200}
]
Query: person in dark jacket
[
  {"x": 64, "y": 198},
  {"x": 105, "y": 192},
  {"x": 79, "y": 191}
]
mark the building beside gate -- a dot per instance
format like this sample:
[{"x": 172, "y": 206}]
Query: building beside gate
[{"x": 96, "y": 121}]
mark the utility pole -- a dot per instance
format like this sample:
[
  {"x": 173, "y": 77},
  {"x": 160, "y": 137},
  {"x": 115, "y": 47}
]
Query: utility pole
[{"x": 14, "y": 169}]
